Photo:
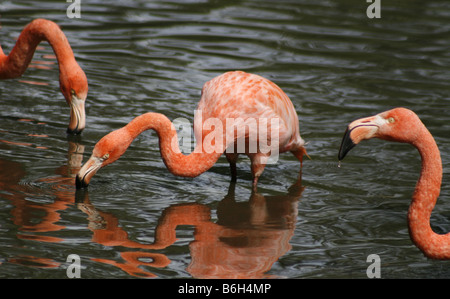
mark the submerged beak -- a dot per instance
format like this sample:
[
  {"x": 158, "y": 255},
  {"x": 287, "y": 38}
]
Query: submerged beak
[
  {"x": 87, "y": 171},
  {"x": 361, "y": 129},
  {"x": 77, "y": 116}
]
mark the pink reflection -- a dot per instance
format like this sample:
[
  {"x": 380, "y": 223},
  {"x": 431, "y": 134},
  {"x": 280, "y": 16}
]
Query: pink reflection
[
  {"x": 247, "y": 240},
  {"x": 35, "y": 220}
]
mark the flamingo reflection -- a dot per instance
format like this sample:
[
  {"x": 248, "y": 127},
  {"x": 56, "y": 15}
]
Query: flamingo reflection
[
  {"x": 35, "y": 219},
  {"x": 248, "y": 238},
  {"x": 25, "y": 211},
  {"x": 245, "y": 241}
]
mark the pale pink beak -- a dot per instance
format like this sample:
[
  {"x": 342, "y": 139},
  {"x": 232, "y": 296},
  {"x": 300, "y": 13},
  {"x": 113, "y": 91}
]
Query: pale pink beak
[
  {"x": 87, "y": 171},
  {"x": 77, "y": 116},
  {"x": 361, "y": 129}
]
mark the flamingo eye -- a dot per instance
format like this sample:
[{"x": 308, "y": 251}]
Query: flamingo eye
[
  {"x": 72, "y": 92},
  {"x": 391, "y": 120},
  {"x": 105, "y": 156}
]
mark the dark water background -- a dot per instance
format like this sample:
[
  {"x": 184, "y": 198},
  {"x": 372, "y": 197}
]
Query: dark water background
[{"x": 334, "y": 63}]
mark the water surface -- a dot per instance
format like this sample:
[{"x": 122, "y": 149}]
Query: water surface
[{"x": 138, "y": 220}]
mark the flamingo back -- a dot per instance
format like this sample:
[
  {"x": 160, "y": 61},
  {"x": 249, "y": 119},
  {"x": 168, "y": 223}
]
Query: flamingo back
[{"x": 244, "y": 98}]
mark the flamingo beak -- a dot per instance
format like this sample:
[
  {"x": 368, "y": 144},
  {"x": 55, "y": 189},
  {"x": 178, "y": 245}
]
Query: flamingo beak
[
  {"x": 346, "y": 145},
  {"x": 87, "y": 171},
  {"x": 77, "y": 116},
  {"x": 361, "y": 129}
]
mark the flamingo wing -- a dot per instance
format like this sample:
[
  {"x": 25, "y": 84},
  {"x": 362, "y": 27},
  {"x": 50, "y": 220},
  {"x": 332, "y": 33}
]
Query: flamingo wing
[{"x": 248, "y": 97}]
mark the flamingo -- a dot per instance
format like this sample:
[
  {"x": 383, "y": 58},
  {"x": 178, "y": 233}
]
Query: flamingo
[
  {"x": 403, "y": 125},
  {"x": 72, "y": 79},
  {"x": 234, "y": 95}
]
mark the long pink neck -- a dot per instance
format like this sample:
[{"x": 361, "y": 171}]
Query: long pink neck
[
  {"x": 179, "y": 164},
  {"x": 15, "y": 64},
  {"x": 424, "y": 199}
]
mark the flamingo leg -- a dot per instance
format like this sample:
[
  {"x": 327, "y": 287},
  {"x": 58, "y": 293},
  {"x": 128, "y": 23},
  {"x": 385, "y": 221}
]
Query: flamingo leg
[
  {"x": 257, "y": 167},
  {"x": 232, "y": 159},
  {"x": 299, "y": 153}
]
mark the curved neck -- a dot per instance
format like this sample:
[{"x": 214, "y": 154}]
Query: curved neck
[
  {"x": 15, "y": 64},
  {"x": 424, "y": 199},
  {"x": 179, "y": 164}
]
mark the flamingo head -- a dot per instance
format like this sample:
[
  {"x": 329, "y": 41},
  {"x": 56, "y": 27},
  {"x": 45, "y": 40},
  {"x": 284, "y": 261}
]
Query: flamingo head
[
  {"x": 106, "y": 151},
  {"x": 74, "y": 87},
  {"x": 399, "y": 124}
]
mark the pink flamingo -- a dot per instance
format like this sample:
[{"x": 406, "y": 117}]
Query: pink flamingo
[
  {"x": 233, "y": 95},
  {"x": 72, "y": 80},
  {"x": 403, "y": 125}
]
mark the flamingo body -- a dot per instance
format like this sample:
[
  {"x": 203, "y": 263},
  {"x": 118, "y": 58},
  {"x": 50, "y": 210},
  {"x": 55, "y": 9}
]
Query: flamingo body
[
  {"x": 73, "y": 81},
  {"x": 403, "y": 125},
  {"x": 238, "y": 96}
]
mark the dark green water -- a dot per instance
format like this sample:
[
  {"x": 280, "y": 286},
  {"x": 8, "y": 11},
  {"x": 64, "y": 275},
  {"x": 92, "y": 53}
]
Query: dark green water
[{"x": 335, "y": 64}]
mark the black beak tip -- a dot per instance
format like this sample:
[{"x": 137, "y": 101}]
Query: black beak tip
[
  {"x": 346, "y": 145},
  {"x": 80, "y": 183},
  {"x": 74, "y": 132}
]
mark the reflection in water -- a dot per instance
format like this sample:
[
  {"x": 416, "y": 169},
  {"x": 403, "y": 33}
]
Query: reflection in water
[
  {"x": 11, "y": 142},
  {"x": 248, "y": 238},
  {"x": 35, "y": 262},
  {"x": 41, "y": 64},
  {"x": 34, "y": 218}
]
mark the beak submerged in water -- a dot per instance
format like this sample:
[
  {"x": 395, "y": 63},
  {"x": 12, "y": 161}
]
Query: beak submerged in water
[
  {"x": 77, "y": 116},
  {"x": 107, "y": 150},
  {"x": 87, "y": 171}
]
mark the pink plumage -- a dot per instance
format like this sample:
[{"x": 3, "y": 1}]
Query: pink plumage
[
  {"x": 72, "y": 79},
  {"x": 247, "y": 101},
  {"x": 403, "y": 125}
]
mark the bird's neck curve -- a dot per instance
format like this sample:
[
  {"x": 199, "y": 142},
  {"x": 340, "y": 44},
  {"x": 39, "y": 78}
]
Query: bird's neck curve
[
  {"x": 424, "y": 199},
  {"x": 15, "y": 64},
  {"x": 176, "y": 162}
]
